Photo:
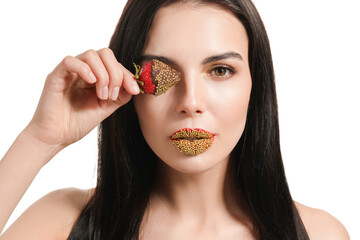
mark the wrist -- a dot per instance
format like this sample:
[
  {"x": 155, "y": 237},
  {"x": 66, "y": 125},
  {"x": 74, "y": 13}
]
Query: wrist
[{"x": 43, "y": 150}]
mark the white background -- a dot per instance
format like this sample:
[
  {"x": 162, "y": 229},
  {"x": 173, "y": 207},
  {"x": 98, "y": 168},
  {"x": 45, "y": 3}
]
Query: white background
[{"x": 315, "y": 46}]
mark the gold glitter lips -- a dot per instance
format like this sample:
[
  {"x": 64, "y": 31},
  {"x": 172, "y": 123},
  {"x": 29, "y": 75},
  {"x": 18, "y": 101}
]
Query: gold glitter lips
[{"x": 192, "y": 141}]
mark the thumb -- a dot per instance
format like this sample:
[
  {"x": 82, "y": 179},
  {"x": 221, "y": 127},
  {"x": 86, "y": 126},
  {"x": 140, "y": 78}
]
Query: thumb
[
  {"x": 108, "y": 107},
  {"x": 124, "y": 97}
]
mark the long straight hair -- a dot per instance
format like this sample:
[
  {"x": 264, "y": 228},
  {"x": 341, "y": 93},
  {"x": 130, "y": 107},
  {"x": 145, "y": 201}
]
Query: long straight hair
[{"x": 127, "y": 165}]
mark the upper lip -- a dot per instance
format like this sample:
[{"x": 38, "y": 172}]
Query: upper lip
[{"x": 192, "y": 133}]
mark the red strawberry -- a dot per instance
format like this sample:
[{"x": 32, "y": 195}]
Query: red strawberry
[
  {"x": 156, "y": 77},
  {"x": 144, "y": 78}
]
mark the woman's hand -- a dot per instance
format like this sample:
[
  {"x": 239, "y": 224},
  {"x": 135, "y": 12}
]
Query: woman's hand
[{"x": 78, "y": 95}]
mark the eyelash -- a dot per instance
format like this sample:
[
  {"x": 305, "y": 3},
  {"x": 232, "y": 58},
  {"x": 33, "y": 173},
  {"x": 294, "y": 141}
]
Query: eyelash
[{"x": 228, "y": 70}]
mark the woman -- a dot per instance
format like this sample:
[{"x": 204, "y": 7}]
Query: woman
[{"x": 147, "y": 188}]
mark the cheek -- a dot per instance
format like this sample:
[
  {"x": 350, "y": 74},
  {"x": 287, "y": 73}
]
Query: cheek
[
  {"x": 232, "y": 110},
  {"x": 236, "y": 105},
  {"x": 149, "y": 110}
]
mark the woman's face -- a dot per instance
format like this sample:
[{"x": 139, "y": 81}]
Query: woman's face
[{"x": 209, "y": 47}]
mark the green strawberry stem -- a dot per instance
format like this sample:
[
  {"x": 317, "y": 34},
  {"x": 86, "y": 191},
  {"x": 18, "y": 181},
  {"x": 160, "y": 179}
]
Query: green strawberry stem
[
  {"x": 138, "y": 68},
  {"x": 137, "y": 76}
]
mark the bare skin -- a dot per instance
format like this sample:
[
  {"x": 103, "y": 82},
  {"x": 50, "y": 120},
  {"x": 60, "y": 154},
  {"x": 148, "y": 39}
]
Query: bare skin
[
  {"x": 66, "y": 205},
  {"x": 80, "y": 93},
  {"x": 196, "y": 200}
]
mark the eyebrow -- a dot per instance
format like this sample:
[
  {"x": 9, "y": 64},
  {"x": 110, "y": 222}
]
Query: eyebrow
[
  {"x": 214, "y": 58},
  {"x": 221, "y": 57}
]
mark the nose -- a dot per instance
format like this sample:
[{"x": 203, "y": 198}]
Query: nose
[{"x": 191, "y": 94}]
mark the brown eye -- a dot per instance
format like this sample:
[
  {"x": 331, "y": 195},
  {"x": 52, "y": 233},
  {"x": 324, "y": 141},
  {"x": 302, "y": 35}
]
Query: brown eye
[{"x": 221, "y": 72}]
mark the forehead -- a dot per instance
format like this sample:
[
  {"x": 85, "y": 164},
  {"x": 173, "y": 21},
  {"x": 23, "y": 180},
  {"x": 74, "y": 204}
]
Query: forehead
[{"x": 197, "y": 27}]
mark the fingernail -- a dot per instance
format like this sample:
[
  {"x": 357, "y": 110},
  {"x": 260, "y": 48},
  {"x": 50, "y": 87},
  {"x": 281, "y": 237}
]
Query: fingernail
[
  {"x": 135, "y": 87},
  {"x": 92, "y": 77},
  {"x": 115, "y": 93},
  {"x": 105, "y": 93}
]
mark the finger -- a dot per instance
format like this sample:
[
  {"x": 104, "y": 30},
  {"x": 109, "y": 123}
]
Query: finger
[
  {"x": 73, "y": 65},
  {"x": 129, "y": 82},
  {"x": 119, "y": 75},
  {"x": 114, "y": 70},
  {"x": 94, "y": 61}
]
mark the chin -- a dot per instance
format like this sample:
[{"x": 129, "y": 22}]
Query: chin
[{"x": 187, "y": 164}]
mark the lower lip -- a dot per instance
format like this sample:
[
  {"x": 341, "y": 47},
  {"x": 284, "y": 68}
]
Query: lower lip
[{"x": 195, "y": 146}]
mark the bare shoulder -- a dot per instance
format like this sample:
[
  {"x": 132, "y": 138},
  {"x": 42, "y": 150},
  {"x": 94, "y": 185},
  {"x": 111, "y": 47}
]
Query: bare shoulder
[
  {"x": 321, "y": 225},
  {"x": 51, "y": 217}
]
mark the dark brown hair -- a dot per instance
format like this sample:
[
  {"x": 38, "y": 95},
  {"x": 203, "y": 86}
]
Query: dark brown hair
[{"x": 126, "y": 165}]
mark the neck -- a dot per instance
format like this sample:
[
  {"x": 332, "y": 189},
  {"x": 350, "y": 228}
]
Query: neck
[{"x": 197, "y": 196}]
